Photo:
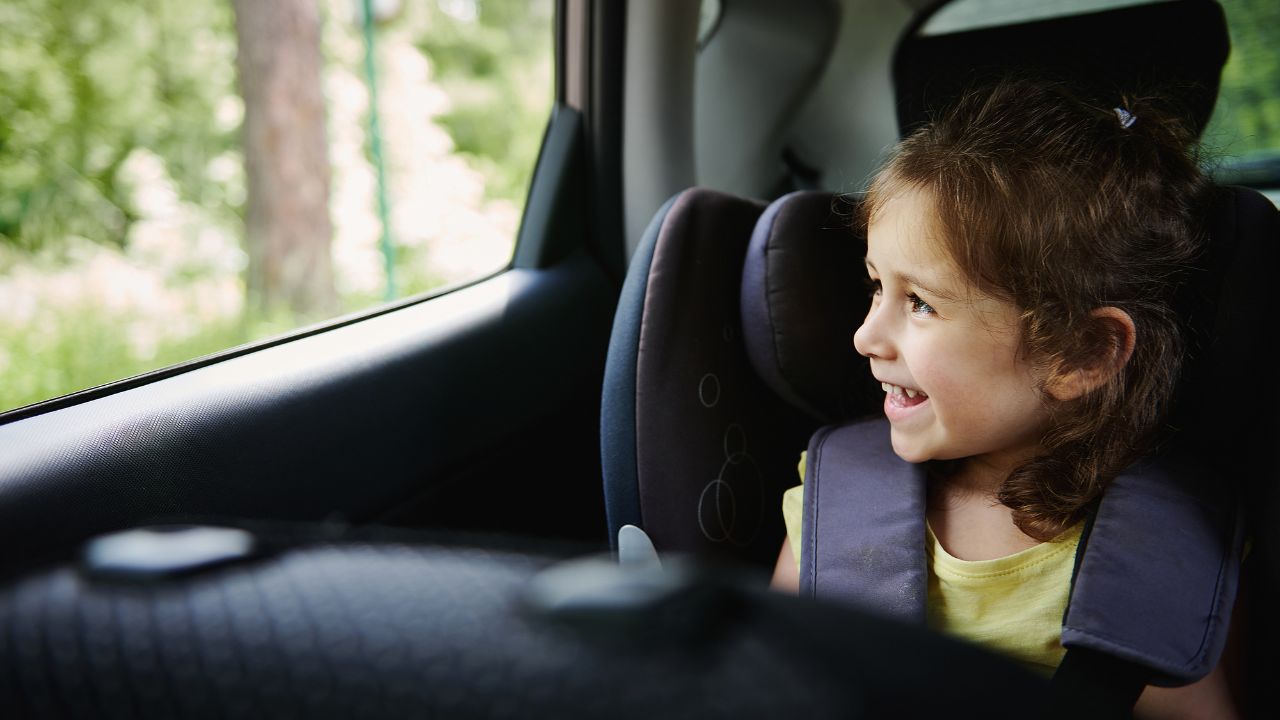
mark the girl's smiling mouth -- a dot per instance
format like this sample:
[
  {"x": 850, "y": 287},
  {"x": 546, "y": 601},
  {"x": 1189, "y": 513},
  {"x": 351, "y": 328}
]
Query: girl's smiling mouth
[
  {"x": 910, "y": 393},
  {"x": 901, "y": 402}
]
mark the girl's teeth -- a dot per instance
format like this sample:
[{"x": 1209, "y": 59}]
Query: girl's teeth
[{"x": 896, "y": 390}]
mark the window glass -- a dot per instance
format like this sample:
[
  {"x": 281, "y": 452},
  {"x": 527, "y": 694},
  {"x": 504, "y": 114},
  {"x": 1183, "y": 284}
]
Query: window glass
[
  {"x": 178, "y": 177},
  {"x": 1244, "y": 134},
  {"x": 708, "y": 20},
  {"x": 965, "y": 15}
]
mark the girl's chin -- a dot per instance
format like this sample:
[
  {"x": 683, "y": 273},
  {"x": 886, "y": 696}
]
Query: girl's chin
[{"x": 909, "y": 451}]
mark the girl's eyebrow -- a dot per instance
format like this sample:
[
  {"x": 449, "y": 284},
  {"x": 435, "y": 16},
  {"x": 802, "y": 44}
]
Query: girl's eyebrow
[{"x": 914, "y": 281}]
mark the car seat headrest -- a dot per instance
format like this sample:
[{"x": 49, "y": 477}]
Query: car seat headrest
[
  {"x": 802, "y": 299},
  {"x": 1177, "y": 48}
]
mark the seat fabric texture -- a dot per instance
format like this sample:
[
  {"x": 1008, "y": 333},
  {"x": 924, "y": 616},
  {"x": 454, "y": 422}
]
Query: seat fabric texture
[{"x": 696, "y": 450}]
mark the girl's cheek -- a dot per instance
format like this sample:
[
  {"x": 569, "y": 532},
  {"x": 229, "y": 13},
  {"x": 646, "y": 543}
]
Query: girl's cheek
[
  {"x": 946, "y": 375},
  {"x": 928, "y": 370}
]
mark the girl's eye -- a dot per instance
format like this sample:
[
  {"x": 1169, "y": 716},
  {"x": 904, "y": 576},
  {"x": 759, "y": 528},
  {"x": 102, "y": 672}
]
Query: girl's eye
[
  {"x": 873, "y": 286},
  {"x": 920, "y": 306}
]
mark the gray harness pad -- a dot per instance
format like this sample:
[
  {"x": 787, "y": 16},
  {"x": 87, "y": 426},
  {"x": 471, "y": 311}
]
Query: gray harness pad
[
  {"x": 1156, "y": 575},
  {"x": 863, "y": 522}
]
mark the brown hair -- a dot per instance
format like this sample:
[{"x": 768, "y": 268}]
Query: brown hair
[{"x": 1062, "y": 206}]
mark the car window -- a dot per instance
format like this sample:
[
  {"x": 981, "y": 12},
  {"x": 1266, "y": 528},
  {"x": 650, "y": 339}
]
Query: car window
[
  {"x": 178, "y": 177},
  {"x": 963, "y": 15},
  {"x": 709, "y": 13},
  {"x": 1244, "y": 134}
]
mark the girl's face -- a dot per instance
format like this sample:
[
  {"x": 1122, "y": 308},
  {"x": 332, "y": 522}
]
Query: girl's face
[{"x": 956, "y": 384}]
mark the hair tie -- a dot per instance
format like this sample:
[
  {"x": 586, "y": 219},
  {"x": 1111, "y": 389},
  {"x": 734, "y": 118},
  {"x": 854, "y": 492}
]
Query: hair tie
[{"x": 1127, "y": 118}]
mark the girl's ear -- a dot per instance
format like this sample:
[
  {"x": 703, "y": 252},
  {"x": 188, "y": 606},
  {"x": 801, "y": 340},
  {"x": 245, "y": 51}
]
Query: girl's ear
[{"x": 1114, "y": 335}]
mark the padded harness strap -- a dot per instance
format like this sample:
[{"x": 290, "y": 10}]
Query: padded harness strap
[
  {"x": 1155, "y": 586},
  {"x": 1158, "y": 577},
  {"x": 864, "y": 522}
]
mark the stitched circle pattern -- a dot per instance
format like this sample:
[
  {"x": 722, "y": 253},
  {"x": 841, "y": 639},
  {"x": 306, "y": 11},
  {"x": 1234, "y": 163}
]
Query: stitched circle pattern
[
  {"x": 735, "y": 443},
  {"x": 717, "y": 520},
  {"x": 709, "y": 390}
]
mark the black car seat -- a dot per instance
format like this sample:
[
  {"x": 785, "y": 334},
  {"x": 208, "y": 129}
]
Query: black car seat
[
  {"x": 692, "y": 442},
  {"x": 665, "y": 459},
  {"x": 695, "y": 448}
]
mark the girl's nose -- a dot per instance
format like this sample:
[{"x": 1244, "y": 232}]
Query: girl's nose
[{"x": 870, "y": 339}]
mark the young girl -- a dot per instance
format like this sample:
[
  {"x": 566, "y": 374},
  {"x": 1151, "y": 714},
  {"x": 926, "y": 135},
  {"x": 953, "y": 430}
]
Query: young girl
[{"x": 1023, "y": 252}]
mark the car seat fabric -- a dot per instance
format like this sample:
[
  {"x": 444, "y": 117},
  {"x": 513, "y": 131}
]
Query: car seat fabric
[
  {"x": 1219, "y": 304},
  {"x": 1157, "y": 568},
  {"x": 864, "y": 509},
  {"x": 618, "y": 406},
  {"x": 801, "y": 303},
  {"x": 696, "y": 450},
  {"x": 1225, "y": 412},
  {"x": 1156, "y": 583}
]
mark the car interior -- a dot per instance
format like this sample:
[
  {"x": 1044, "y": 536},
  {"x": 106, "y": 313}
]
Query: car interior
[{"x": 411, "y": 510}]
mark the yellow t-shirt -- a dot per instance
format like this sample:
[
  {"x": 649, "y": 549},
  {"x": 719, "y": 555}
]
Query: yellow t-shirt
[{"x": 1012, "y": 604}]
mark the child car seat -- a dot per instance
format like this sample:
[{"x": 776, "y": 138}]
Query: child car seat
[
  {"x": 799, "y": 305},
  {"x": 1230, "y": 279},
  {"x": 697, "y": 450},
  {"x": 663, "y": 439}
]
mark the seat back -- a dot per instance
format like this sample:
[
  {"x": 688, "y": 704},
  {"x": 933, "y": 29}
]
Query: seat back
[
  {"x": 732, "y": 344},
  {"x": 695, "y": 449},
  {"x": 1225, "y": 412}
]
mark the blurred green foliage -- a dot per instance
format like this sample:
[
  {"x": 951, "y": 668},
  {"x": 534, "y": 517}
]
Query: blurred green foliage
[
  {"x": 74, "y": 348},
  {"x": 82, "y": 85},
  {"x": 80, "y": 348},
  {"x": 1246, "y": 120},
  {"x": 491, "y": 57}
]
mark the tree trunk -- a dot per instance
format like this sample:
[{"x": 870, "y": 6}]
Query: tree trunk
[{"x": 287, "y": 227}]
